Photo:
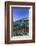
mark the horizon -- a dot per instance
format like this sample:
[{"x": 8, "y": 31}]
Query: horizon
[{"x": 21, "y": 19}]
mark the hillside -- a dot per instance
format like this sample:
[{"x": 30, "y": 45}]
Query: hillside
[{"x": 21, "y": 27}]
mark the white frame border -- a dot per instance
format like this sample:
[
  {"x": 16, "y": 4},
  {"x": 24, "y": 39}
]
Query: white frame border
[{"x": 30, "y": 26}]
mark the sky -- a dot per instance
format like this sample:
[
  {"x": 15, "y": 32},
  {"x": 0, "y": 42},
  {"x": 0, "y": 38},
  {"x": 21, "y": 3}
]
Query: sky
[{"x": 19, "y": 13}]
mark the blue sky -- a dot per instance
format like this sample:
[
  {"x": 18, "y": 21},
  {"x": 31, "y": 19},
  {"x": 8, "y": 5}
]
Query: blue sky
[{"x": 19, "y": 13}]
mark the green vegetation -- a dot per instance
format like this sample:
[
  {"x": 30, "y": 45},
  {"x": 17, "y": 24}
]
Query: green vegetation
[{"x": 21, "y": 27}]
